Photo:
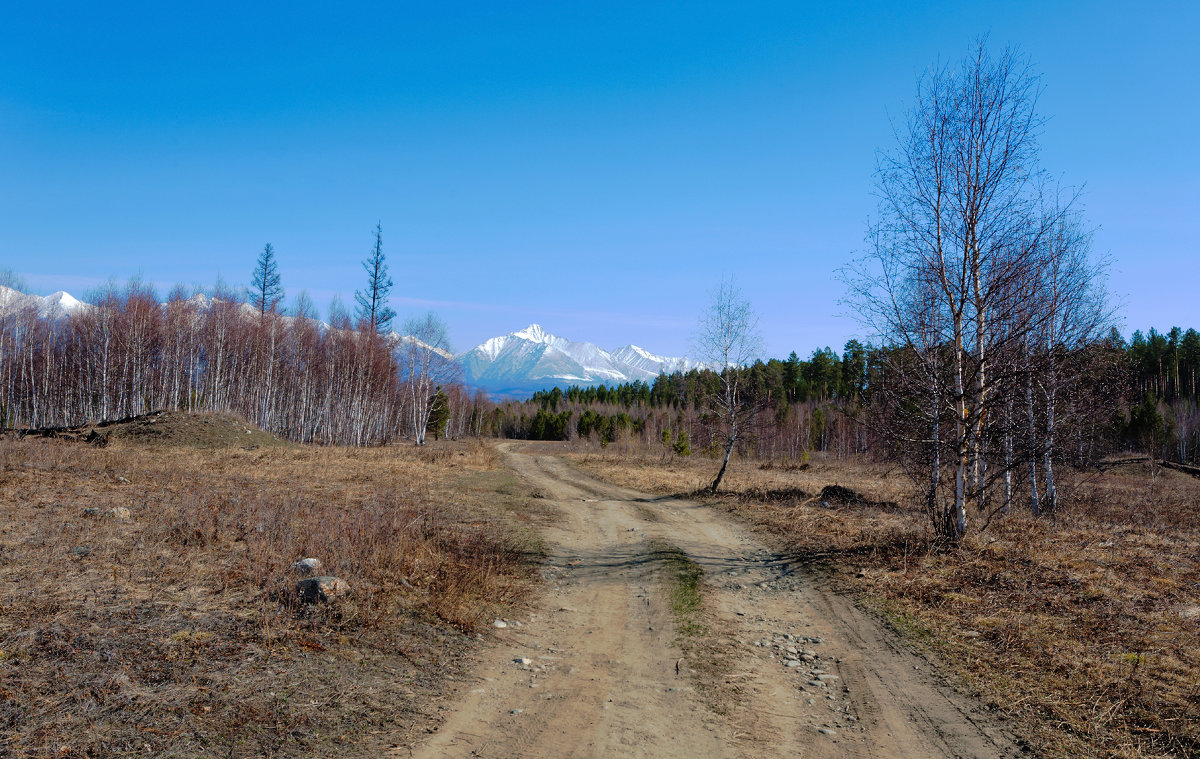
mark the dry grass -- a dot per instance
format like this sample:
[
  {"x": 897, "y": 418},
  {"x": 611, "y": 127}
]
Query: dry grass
[
  {"x": 177, "y": 632},
  {"x": 1085, "y": 633}
]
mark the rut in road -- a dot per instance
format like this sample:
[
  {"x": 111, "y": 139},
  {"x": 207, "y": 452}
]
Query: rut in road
[{"x": 593, "y": 673}]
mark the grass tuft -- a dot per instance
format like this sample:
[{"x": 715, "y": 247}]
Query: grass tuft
[{"x": 684, "y": 576}]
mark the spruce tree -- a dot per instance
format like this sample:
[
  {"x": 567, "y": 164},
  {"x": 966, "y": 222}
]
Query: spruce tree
[
  {"x": 265, "y": 290},
  {"x": 373, "y": 313}
]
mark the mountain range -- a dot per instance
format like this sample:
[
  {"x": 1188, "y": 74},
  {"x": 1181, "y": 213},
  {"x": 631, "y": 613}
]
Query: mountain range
[
  {"x": 532, "y": 359},
  {"x": 513, "y": 365}
]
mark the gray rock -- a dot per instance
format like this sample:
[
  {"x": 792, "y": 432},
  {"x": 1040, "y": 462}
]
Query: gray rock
[
  {"x": 80, "y": 551},
  {"x": 825, "y": 731},
  {"x": 791, "y": 663},
  {"x": 500, "y": 623},
  {"x": 321, "y": 589},
  {"x": 308, "y": 566},
  {"x": 91, "y": 511}
]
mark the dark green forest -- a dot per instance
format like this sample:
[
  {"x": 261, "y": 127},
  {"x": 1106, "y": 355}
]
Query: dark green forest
[{"x": 823, "y": 403}]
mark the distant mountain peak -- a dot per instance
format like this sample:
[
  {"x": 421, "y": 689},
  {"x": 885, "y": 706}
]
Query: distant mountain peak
[
  {"x": 534, "y": 333},
  {"x": 57, "y": 305},
  {"x": 633, "y": 350}
]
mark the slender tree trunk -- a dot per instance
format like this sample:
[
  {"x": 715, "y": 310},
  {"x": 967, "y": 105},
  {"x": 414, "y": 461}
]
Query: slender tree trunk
[
  {"x": 1050, "y": 503},
  {"x": 1034, "y": 506},
  {"x": 959, "y": 522},
  {"x": 935, "y": 464},
  {"x": 1008, "y": 454},
  {"x": 728, "y": 453}
]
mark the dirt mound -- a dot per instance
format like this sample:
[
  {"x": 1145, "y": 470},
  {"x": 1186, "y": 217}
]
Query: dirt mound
[
  {"x": 202, "y": 430},
  {"x": 170, "y": 428},
  {"x": 840, "y": 494},
  {"x": 837, "y": 494}
]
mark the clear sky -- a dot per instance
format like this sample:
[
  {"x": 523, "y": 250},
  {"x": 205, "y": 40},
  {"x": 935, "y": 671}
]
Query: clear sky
[{"x": 595, "y": 167}]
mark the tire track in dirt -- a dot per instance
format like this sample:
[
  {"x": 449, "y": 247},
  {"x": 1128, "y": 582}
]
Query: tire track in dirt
[{"x": 593, "y": 672}]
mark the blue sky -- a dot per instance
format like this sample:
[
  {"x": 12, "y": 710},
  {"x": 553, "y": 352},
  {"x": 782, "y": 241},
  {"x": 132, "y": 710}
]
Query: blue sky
[{"x": 593, "y": 167}]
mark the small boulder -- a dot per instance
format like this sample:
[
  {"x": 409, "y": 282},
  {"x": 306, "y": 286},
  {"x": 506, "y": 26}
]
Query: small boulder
[
  {"x": 307, "y": 566},
  {"x": 91, "y": 511},
  {"x": 321, "y": 589},
  {"x": 500, "y": 623}
]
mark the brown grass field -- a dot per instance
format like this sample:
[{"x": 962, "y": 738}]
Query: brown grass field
[
  {"x": 1084, "y": 633},
  {"x": 176, "y": 631}
]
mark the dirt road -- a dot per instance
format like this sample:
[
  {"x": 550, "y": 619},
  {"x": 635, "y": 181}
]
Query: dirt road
[{"x": 593, "y": 673}]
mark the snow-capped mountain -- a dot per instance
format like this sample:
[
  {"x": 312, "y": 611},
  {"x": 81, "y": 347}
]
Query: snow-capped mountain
[
  {"x": 640, "y": 358},
  {"x": 54, "y": 306},
  {"x": 516, "y": 364},
  {"x": 533, "y": 359}
]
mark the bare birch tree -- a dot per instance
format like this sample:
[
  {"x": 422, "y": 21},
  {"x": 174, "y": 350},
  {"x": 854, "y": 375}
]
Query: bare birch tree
[
  {"x": 953, "y": 264},
  {"x": 728, "y": 340},
  {"x": 426, "y": 364}
]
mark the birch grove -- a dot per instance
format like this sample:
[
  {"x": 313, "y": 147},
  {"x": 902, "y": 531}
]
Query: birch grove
[
  {"x": 127, "y": 355},
  {"x": 979, "y": 275}
]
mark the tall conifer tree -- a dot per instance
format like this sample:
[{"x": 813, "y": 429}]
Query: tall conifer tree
[{"x": 373, "y": 312}]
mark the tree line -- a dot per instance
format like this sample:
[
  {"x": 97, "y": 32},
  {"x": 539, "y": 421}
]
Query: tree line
[
  {"x": 845, "y": 406},
  {"x": 347, "y": 382}
]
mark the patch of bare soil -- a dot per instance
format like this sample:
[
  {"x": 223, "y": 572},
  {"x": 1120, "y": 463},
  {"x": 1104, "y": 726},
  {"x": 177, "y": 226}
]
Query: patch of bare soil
[
  {"x": 683, "y": 635},
  {"x": 149, "y": 601},
  {"x": 169, "y": 428}
]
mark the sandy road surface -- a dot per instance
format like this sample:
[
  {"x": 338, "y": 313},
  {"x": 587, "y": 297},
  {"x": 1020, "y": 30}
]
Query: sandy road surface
[{"x": 593, "y": 672}]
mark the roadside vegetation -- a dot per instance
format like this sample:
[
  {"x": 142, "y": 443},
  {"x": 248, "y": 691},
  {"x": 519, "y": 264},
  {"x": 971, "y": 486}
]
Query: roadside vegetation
[
  {"x": 703, "y": 659},
  {"x": 1086, "y": 636},
  {"x": 150, "y": 602},
  {"x": 683, "y": 580}
]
